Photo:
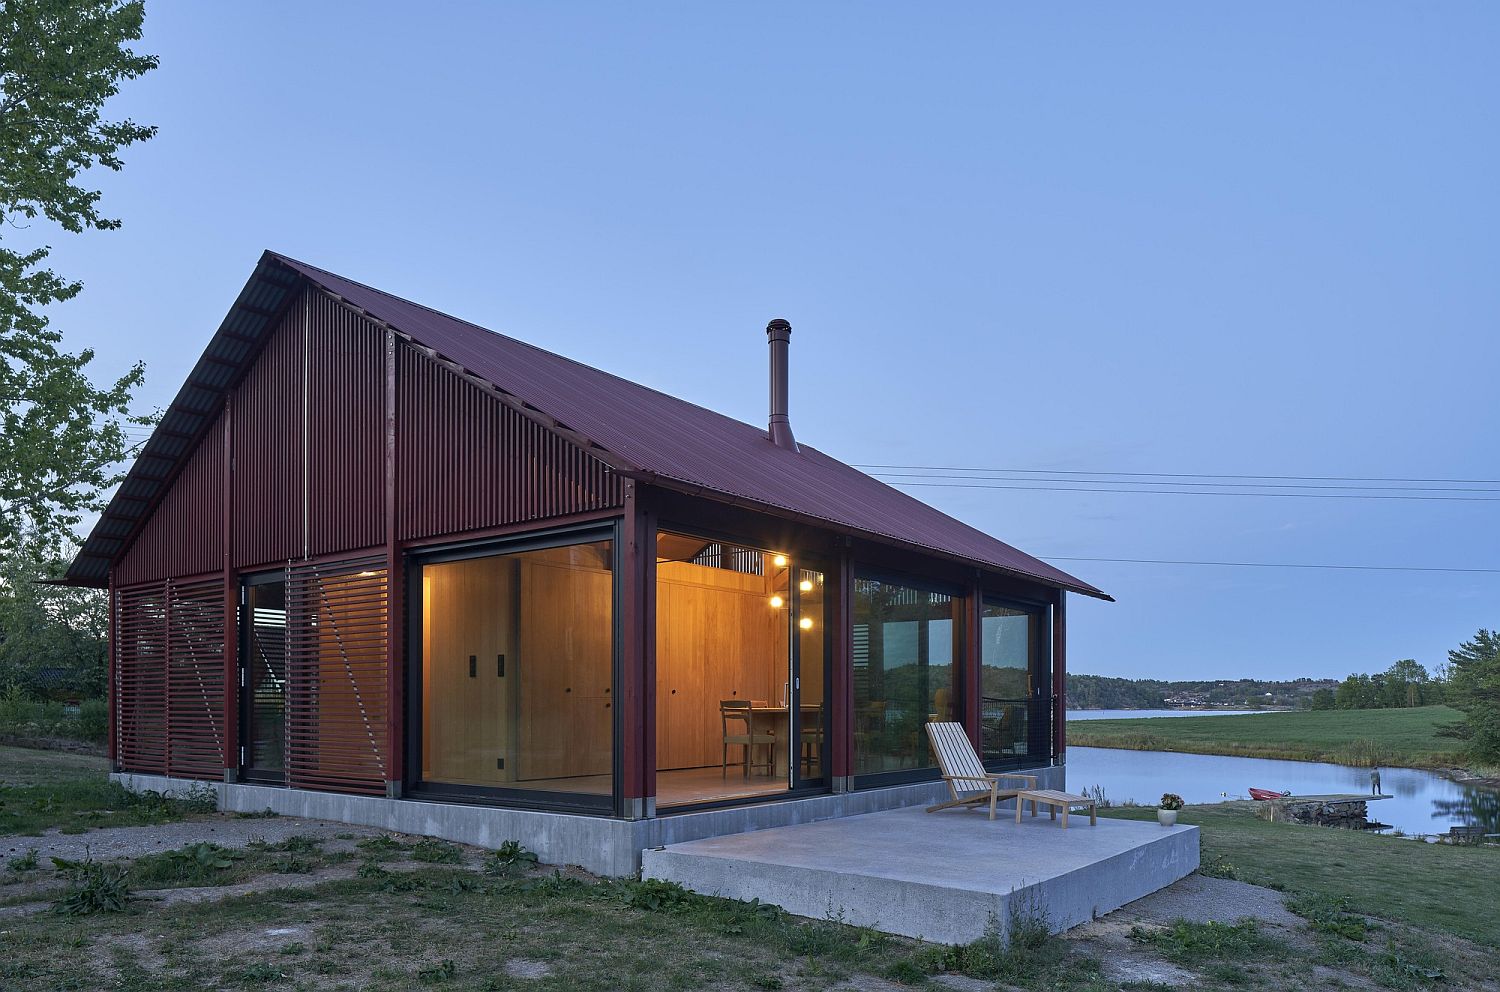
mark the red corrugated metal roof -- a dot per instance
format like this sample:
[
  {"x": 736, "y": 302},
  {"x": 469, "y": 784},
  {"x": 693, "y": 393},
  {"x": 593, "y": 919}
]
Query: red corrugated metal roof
[{"x": 677, "y": 443}]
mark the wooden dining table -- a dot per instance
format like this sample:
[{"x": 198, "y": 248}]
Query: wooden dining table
[{"x": 777, "y": 718}]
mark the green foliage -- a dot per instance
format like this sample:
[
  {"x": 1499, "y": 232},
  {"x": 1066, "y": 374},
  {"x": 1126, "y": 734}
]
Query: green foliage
[
  {"x": 510, "y": 860},
  {"x": 655, "y": 895},
  {"x": 1171, "y": 800},
  {"x": 1322, "y": 699},
  {"x": 190, "y": 865},
  {"x": 92, "y": 888},
  {"x": 23, "y": 862},
  {"x": 443, "y": 971},
  {"x": 436, "y": 852},
  {"x": 61, "y": 436},
  {"x": 1217, "y": 867},
  {"x": 1329, "y": 914},
  {"x": 1474, "y": 688},
  {"x": 1188, "y": 943},
  {"x": 76, "y": 804}
]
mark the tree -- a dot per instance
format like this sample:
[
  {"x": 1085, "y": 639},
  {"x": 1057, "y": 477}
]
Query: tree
[
  {"x": 1406, "y": 684},
  {"x": 1322, "y": 699},
  {"x": 52, "y": 638},
  {"x": 61, "y": 435},
  {"x": 1474, "y": 690}
]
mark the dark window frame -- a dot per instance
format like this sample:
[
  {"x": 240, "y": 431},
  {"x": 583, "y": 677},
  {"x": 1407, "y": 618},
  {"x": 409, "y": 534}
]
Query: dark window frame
[
  {"x": 959, "y": 679},
  {"x": 596, "y": 804},
  {"x": 1039, "y": 737},
  {"x": 798, "y": 787}
]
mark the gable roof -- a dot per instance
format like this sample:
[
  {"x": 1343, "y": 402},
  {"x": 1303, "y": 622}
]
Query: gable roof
[{"x": 650, "y": 435}]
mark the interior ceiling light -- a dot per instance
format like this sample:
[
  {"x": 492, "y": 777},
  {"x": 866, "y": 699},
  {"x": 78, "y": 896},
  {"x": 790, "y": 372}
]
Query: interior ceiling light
[
  {"x": 806, "y": 586},
  {"x": 776, "y": 602},
  {"x": 805, "y": 623}
]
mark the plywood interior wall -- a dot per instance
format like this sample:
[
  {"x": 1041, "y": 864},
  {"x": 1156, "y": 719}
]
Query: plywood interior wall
[
  {"x": 549, "y": 716},
  {"x": 468, "y": 719},
  {"x": 717, "y": 638}
]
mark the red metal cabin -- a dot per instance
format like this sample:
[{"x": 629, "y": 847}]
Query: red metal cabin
[{"x": 373, "y": 549}]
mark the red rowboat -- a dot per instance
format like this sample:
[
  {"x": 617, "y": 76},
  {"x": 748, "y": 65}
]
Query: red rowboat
[{"x": 1267, "y": 794}]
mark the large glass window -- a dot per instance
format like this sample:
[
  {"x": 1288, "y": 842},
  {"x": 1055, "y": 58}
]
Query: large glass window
[
  {"x": 1014, "y": 687},
  {"x": 905, "y": 642},
  {"x": 517, "y": 670}
]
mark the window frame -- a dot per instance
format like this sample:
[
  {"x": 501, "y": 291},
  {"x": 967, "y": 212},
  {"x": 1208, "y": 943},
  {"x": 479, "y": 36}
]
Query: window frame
[{"x": 414, "y": 787}]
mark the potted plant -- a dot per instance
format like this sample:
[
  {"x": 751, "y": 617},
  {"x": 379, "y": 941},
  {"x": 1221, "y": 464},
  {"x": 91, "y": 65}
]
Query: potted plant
[{"x": 1166, "y": 813}]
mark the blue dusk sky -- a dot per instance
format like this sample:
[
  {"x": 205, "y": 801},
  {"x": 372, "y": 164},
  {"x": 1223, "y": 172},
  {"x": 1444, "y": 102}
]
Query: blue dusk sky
[{"x": 1086, "y": 238}]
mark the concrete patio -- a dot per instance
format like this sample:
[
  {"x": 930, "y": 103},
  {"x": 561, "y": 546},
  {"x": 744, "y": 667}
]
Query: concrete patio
[{"x": 942, "y": 876}]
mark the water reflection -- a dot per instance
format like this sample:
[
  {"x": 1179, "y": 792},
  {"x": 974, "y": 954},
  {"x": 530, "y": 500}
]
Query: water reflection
[{"x": 1422, "y": 802}]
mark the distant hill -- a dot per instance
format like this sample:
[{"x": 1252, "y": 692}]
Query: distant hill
[{"x": 1099, "y": 692}]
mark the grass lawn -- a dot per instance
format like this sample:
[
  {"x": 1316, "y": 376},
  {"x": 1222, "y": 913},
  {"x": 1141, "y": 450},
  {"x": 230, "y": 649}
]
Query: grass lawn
[
  {"x": 44, "y": 789},
  {"x": 385, "y": 913},
  {"x": 1408, "y": 738},
  {"x": 1438, "y": 888}
]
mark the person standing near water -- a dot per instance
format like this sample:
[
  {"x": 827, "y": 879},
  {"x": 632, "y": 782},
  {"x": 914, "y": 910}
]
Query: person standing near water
[{"x": 1375, "y": 782}]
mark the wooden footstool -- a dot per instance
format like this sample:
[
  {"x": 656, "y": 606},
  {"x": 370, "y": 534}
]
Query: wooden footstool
[{"x": 1055, "y": 801}]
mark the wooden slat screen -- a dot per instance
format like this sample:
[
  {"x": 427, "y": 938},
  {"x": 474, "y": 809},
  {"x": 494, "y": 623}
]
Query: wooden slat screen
[
  {"x": 336, "y": 674},
  {"x": 195, "y": 679},
  {"x": 140, "y": 683}
]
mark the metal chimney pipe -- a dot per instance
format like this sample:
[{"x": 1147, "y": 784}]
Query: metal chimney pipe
[{"x": 779, "y": 334}]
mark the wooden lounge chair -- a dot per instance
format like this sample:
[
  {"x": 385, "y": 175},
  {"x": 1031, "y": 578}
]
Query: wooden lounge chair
[{"x": 964, "y": 772}]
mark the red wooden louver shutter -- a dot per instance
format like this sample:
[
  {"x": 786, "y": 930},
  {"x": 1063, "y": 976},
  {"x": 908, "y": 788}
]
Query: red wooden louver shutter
[
  {"x": 140, "y": 689},
  {"x": 195, "y": 679},
  {"x": 336, "y": 707}
]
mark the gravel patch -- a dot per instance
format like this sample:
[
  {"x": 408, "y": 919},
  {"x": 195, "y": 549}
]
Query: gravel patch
[
  {"x": 110, "y": 843},
  {"x": 1201, "y": 899}
]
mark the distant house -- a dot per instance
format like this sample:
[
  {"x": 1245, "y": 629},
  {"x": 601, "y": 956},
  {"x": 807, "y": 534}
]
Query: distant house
[{"x": 380, "y": 564}]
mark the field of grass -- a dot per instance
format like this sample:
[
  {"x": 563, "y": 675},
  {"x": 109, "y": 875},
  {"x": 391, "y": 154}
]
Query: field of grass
[
  {"x": 40, "y": 790},
  {"x": 391, "y": 913},
  {"x": 1438, "y": 888},
  {"x": 1409, "y": 738}
]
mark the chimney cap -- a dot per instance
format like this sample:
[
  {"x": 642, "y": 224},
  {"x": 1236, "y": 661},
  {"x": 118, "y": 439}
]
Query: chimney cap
[{"x": 779, "y": 325}]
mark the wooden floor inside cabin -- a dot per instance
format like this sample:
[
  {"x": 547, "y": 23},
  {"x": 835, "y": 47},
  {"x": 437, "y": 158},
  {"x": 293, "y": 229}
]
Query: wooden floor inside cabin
[{"x": 680, "y": 786}]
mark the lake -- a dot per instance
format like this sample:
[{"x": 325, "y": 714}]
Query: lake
[
  {"x": 1424, "y": 803},
  {"x": 1147, "y": 714}
]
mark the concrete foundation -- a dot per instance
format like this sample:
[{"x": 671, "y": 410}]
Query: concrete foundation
[
  {"x": 603, "y": 845},
  {"x": 943, "y": 877}
]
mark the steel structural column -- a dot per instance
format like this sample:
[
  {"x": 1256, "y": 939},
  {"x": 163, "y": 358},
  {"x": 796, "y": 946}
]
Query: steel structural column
[
  {"x": 112, "y": 691},
  {"x": 1060, "y": 675},
  {"x": 637, "y": 729},
  {"x": 972, "y": 696},
  {"x": 841, "y": 703},
  {"x": 395, "y": 591},
  {"x": 231, "y": 607}
]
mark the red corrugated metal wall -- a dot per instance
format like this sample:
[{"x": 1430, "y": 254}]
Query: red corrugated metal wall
[
  {"x": 336, "y": 698},
  {"x": 467, "y": 461},
  {"x": 185, "y": 535},
  {"x": 268, "y": 459},
  {"x": 308, "y": 421},
  {"x": 346, "y": 452}
]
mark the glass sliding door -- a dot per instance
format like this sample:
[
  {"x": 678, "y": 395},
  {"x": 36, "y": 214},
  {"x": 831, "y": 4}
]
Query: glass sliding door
[
  {"x": 1015, "y": 683},
  {"x": 741, "y": 653},
  {"x": 517, "y": 669},
  {"x": 263, "y": 676},
  {"x": 906, "y": 639}
]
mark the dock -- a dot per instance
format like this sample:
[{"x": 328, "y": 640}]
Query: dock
[{"x": 1331, "y": 808}]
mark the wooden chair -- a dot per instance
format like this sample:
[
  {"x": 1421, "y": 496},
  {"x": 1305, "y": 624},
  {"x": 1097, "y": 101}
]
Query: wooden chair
[
  {"x": 960, "y": 765},
  {"x": 811, "y": 733},
  {"x": 742, "y": 712}
]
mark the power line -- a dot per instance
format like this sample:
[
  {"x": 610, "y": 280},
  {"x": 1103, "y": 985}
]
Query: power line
[
  {"x": 1179, "y": 492},
  {"x": 1272, "y": 564},
  {"x": 1214, "y": 485},
  {"x": 1174, "y": 475}
]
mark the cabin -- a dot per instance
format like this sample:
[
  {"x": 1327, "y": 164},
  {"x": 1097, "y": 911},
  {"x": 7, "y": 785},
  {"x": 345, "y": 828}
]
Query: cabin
[{"x": 382, "y": 565}]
